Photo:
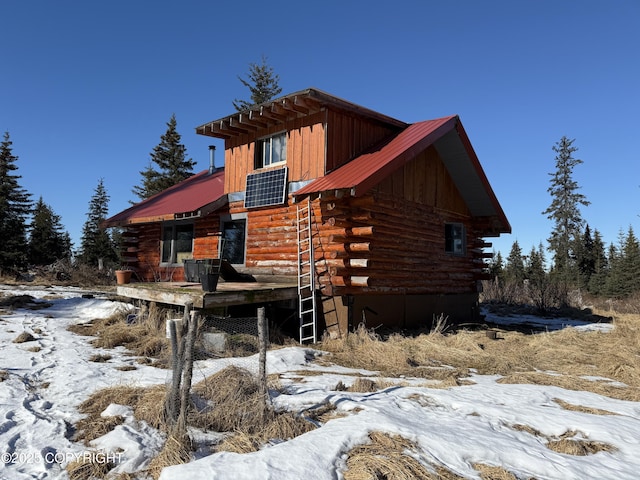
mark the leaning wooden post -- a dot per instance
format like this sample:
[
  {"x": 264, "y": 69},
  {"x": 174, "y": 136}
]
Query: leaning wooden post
[
  {"x": 263, "y": 340},
  {"x": 188, "y": 371},
  {"x": 172, "y": 403}
]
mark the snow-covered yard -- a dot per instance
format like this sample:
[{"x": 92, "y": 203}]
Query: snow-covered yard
[{"x": 45, "y": 379}]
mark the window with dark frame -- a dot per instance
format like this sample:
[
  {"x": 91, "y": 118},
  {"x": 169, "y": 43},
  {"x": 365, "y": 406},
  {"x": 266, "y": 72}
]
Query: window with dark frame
[
  {"x": 455, "y": 239},
  {"x": 177, "y": 243},
  {"x": 234, "y": 235},
  {"x": 271, "y": 150}
]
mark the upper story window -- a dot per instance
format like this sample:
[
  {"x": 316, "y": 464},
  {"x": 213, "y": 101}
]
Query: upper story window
[
  {"x": 271, "y": 150},
  {"x": 455, "y": 240},
  {"x": 177, "y": 242}
]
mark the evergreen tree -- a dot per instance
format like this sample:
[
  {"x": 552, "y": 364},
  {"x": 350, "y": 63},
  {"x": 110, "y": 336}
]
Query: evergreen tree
[
  {"x": 539, "y": 282},
  {"x": 15, "y": 207},
  {"x": 96, "y": 243},
  {"x": 262, "y": 82},
  {"x": 598, "y": 280},
  {"x": 514, "y": 270},
  {"x": 614, "y": 284},
  {"x": 169, "y": 156},
  {"x": 495, "y": 266},
  {"x": 630, "y": 265},
  {"x": 564, "y": 209},
  {"x": 585, "y": 256},
  {"x": 48, "y": 241}
]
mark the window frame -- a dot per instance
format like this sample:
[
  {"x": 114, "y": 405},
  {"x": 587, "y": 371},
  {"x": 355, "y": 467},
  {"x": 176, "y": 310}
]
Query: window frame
[
  {"x": 259, "y": 160},
  {"x": 225, "y": 219},
  {"x": 175, "y": 256},
  {"x": 455, "y": 239}
]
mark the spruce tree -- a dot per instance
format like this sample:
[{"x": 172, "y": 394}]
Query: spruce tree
[
  {"x": 514, "y": 270},
  {"x": 15, "y": 208},
  {"x": 168, "y": 164},
  {"x": 48, "y": 241},
  {"x": 598, "y": 280},
  {"x": 564, "y": 210},
  {"x": 630, "y": 265},
  {"x": 96, "y": 243},
  {"x": 262, "y": 82},
  {"x": 585, "y": 256},
  {"x": 495, "y": 266}
]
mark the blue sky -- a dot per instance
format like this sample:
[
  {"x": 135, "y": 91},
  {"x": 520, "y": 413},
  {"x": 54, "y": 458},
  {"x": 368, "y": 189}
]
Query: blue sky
[{"x": 87, "y": 88}]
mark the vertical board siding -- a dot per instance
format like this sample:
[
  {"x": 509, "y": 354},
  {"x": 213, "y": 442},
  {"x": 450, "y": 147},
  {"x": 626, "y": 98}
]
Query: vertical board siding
[
  {"x": 349, "y": 137},
  {"x": 305, "y": 151}
]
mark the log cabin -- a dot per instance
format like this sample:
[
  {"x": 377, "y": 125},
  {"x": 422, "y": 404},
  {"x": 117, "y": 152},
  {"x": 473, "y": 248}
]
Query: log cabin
[{"x": 376, "y": 221}]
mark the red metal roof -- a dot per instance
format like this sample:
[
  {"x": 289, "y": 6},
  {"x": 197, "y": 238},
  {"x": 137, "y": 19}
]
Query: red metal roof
[
  {"x": 183, "y": 199},
  {"x": 369, "y": 169}
]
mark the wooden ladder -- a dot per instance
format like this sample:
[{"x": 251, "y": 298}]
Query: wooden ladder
[{"x": 307, "y": 311}]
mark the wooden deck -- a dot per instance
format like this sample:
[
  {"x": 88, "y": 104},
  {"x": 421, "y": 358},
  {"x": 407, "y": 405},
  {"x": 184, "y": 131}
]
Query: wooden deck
[{"x": 227, "y": 293}]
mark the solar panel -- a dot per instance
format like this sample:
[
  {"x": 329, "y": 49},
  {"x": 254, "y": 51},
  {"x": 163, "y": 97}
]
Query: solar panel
[{"x": 266, "y": 188}]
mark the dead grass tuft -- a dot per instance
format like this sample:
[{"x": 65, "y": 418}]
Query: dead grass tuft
[
  {"x": 177, "y": 450},
  {"x": 100, "y": 358},
  {"x": 145, "y": 338},
  {"x": 489, "y": 472},
  {"x": 578, "y": 447},
  {"x": 3, "y": 375},
  {"x": 86, "y": 468},
  {"x": 236, "y": 405},
  {"x": 387, "y": 457},
  {"x": 24, "y": 337},
  {"x": 582, "y": 408},
  {"x": 147, "y": 405}
]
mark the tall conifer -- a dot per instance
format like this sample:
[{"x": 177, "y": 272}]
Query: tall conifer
[
  {"x": 168, "y": 164},
  {"x": 15, "y": 208}
]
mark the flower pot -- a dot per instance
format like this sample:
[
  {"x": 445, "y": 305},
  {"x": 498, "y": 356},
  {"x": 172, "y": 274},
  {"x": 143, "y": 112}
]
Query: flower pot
[
  {"x": 209, "y": 281},
  {"x": 123, "y": 276}
]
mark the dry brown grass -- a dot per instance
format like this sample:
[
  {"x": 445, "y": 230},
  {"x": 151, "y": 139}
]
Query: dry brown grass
[
  {"x": 236, "y": 405},
  {"x": 85, "y": 468},
  {"x": 386, "y": 457},
  {"x": 489, "y": 472},
  {"x": 520, "y": 358},
  {"x": 581, "y": 408},
  {"x": 145, "y": 338},
  {"x": 176, "y": 450},
  {"x": 569, "y": 445},
  {"x": 147, "y": 405},
  {"x": 24, "y": 337}
]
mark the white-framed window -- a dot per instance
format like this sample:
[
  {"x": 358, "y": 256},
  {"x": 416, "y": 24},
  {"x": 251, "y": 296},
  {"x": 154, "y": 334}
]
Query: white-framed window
[
  {"x": 177, "y": 242},
  {"x": 455, "y": 239},
  {"x": 271, "y": 150}
]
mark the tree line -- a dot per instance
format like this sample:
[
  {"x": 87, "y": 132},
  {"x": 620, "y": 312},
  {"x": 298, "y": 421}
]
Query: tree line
[
  {"x": 579, "y": 259},
  {"x": 31, "y": 233}
]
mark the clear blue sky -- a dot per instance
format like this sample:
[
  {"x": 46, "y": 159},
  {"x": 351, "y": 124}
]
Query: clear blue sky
[{"x": 86, "y": 88}]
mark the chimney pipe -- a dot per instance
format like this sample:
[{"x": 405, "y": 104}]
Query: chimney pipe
[{"x": 212, "y": 159}]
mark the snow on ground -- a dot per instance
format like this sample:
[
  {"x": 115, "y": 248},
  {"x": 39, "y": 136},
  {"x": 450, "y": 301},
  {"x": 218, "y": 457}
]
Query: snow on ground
[{"x": 454, "y": 427}]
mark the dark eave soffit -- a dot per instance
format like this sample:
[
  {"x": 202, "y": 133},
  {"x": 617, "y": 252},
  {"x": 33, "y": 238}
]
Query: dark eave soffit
[{"x": 289, "y": 107}]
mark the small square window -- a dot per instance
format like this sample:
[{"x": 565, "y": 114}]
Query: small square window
[
  {"x": 455, "y": 238},
  {"x": 271, "y": 150}
]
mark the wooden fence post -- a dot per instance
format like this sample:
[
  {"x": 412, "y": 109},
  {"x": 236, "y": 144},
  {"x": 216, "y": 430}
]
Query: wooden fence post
[{"x": 263, "y": 341}]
